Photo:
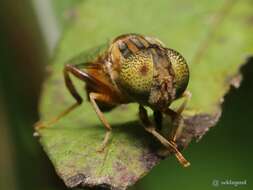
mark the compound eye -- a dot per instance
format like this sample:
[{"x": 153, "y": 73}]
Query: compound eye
[
  {"x": 136, "y": 73},
  {"x": 181, "y": 71},
  {"x": 124, "y": 49}
]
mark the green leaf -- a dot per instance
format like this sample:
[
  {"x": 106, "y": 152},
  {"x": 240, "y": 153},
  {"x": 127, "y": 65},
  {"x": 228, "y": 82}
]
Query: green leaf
[
  {"x": 214, "y": 36},
  {"x": 65, "y": 11}
]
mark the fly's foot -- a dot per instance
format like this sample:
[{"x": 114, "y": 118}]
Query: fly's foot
[
  {"x": 105, "y": 142},
  {"x": 39, "y": 125}
]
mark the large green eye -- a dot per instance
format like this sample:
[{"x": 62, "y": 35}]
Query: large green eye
[
  {"x": 136, "y": 73},
  {"x": 181, "y": 71}
]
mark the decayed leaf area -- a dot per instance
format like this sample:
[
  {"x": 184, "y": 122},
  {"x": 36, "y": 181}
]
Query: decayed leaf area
[{"x": 214, "y": 36}]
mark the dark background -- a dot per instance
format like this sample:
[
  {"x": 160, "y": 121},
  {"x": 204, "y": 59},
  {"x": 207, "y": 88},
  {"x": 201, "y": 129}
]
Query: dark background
[{"x": 225, "y": 153}]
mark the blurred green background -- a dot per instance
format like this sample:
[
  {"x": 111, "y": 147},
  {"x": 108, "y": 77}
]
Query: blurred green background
[{"x": 29, "y": 32}]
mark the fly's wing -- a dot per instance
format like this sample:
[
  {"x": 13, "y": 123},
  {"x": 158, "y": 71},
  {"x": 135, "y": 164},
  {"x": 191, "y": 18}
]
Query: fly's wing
[
  {"x": 90, "y": 67},
  {"x": 87, "y": 57}
]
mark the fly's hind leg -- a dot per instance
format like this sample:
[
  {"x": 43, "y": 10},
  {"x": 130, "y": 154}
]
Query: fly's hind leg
[
  {"x": 71, "y": 88},
  {"x": 105, "y": 99},
  {"x": 149, "y": 127}
]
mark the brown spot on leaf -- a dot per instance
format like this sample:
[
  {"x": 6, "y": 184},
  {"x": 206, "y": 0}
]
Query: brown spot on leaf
[
  {"x": 196, "y": 127},
  {"x": 125, "y": 175},
  {"x": 75, "y": 180},
  {"x": 149, "y": 160},
  {"x": 250, "y": 20}
]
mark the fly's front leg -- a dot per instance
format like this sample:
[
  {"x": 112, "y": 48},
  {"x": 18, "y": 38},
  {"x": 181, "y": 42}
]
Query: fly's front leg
[
  {"x": 187, "y": 95},
  {"x": 105, "y": 99},
  {"x": 176, "y": 116},
  {"x": 177, "y": 121},
  {"x": 158, "y": 118},
  {"x": 71, "y": 88},
  {"x": 168, "y": 144}
]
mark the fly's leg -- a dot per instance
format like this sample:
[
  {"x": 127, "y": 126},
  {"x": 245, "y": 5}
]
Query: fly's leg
[
  {"x": 177, "y": 121},
  {"x": 149, "y": 127},
  {"x": 187, "y": 95},
  {"x": 176, "y": 116},
  {"x": 71, "y": 88},
  {"x": 106, "y": 99},
  {"x": 158, "y": 118}
]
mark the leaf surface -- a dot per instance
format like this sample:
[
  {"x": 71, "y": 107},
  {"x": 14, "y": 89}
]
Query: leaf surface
[{"x": 214, "y": 36}]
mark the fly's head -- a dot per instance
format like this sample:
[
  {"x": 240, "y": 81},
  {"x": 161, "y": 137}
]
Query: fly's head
[{"x": 146, "y": 71}]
